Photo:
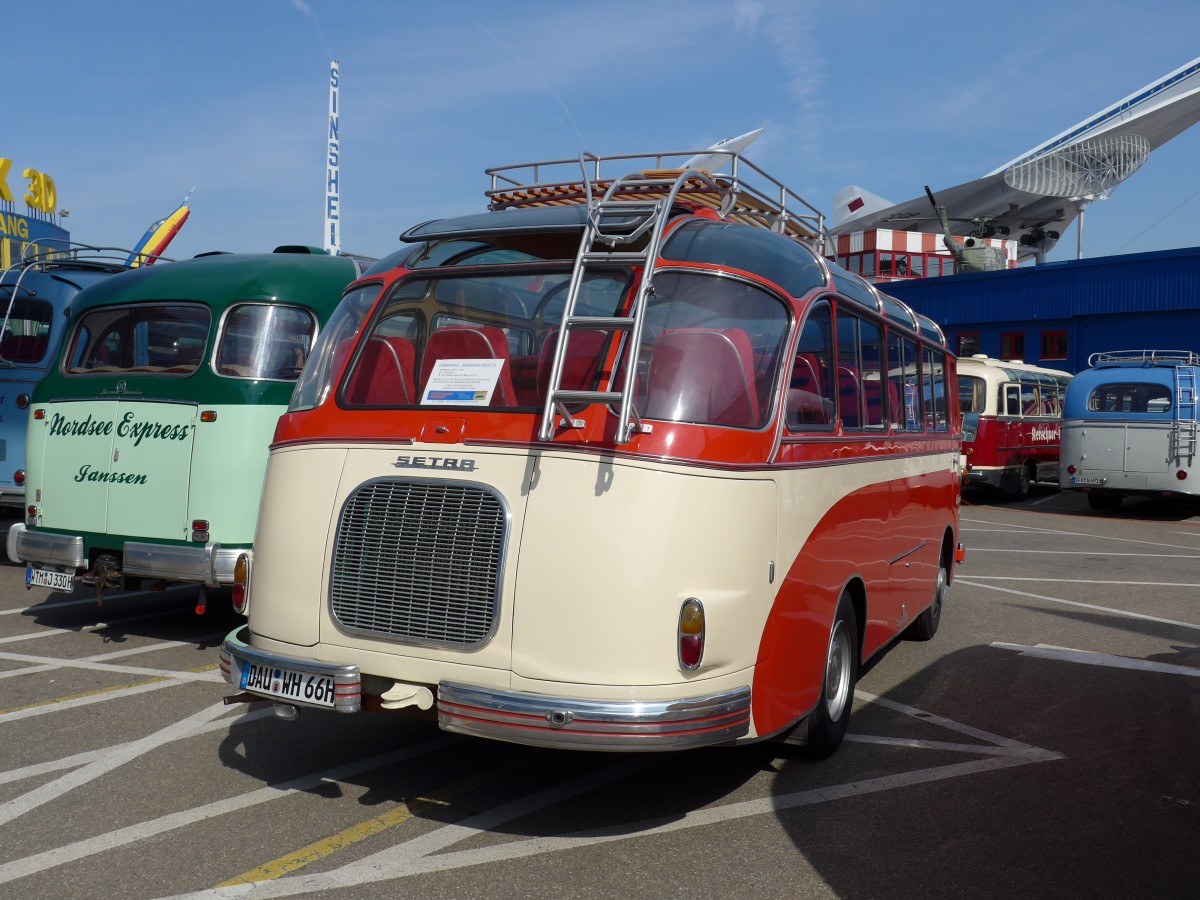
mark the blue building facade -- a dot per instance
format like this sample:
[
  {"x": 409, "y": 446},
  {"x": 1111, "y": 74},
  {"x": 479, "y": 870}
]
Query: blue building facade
[{"x": 1058, "y": 314}]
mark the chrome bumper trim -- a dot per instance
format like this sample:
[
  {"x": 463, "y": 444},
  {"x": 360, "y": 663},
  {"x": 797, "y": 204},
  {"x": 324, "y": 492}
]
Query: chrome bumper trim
[
  {"x": 634, "y": 725},
  {"x": 210, "y": 564},
  {"x": 25, "y": 546},
  {"x": 347, "y": 684}
]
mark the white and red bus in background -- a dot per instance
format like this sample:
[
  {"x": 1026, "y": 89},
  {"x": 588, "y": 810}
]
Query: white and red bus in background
[
  {"x": 621, "y": 464},
  {"x": 1012, "y": 423}
]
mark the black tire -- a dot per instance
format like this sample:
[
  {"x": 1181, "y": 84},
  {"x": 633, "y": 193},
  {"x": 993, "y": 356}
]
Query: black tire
[
  {"x": 1104, "y": 501},
  {"x": 925, "y": 625},
  {"x": 828, "y": 722},
  {"x": 1019, "y": 483}
]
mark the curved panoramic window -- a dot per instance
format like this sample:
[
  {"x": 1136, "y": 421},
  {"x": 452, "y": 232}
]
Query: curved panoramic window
[
  {"x": 332, "y": 347},
  {"x": 149, "y": 338},
  {"x": 778, "y": 258},
  {"x": 810, "y": 398},
  {"x": 26, "y": 331},
  {"x": 710, "y": 350},
  {"x": 479, "y": 341},
  {"x": 265, "y": 340}
]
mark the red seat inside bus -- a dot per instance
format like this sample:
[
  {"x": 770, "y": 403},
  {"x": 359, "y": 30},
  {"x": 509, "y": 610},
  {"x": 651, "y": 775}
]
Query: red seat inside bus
[
  {"x": 579, "y": 365},
  {"x": 384, "y": 374},
  {"x": 471, "y": 342},
  {"x": 702, "y": 376}
]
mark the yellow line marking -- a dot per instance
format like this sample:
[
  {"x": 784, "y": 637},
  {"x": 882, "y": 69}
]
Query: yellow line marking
[
  {"x": 106, "y": 690},
  {"x": 348, "y": 837}
]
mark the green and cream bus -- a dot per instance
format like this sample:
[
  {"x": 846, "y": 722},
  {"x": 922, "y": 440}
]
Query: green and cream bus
[{"x": 148, "y": 439}]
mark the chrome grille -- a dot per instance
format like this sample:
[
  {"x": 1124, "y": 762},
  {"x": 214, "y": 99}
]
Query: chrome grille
[{"x": 420, "y": 561}]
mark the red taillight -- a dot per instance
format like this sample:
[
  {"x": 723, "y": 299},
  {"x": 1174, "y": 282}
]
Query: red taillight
[
  {"x": 1181, "y": 474},
  {"x": 19, "y": 476},
  {"x": 208, "y": 415},
  {"x": 200, "y": 531},
  {"x": 39, "y": 413},
  {"x": 1070, "y": 470},
  {"x": 239, "y": 599},
  {"x": 22, "y": 401},
  {"x": 691, "y": 633}
]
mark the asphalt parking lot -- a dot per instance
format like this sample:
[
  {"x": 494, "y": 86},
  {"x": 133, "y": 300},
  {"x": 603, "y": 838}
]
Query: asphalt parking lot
[{"x": 1044, "y": 744}]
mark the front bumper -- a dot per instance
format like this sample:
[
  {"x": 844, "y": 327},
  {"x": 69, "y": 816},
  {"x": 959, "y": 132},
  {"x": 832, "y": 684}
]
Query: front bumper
[
  {"x": 534, "y": 719},
  {"x": 209, "y": 564},
  {"x": 235, "y": 652}
]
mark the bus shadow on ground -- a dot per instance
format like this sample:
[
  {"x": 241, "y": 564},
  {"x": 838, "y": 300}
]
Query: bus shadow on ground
[
  {"x": 1110, "y": 809},
  {"x": 989, "y": 773}
]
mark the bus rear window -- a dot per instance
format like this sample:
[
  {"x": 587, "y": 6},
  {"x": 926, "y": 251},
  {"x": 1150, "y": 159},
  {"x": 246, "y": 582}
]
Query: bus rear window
[
  {"x": 26, "y": 331},
  {"x": 1130, "y": 398},
  {"x": 262, "y": 340},
  {"x": 150, "y": 338}
]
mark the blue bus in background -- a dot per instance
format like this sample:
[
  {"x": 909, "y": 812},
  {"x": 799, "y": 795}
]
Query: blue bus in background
[
  {"x": 34, "y": 294},
  {"x": 1129, "y": 427}
]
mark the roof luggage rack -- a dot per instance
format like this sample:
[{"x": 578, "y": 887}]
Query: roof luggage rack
[
  {"x": 620, "y": 211},
  {"x": 1145, "y": 357},
  {"x": 744, "y": 193}
]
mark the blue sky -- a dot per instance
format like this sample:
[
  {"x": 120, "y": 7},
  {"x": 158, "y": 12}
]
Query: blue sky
[{"x": 129, "y": 105}]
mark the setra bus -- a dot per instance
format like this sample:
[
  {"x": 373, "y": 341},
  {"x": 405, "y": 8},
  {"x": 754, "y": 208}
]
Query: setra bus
[
  {"x": 620, "y": 464},
  {"x": 1012, "y": 423},
  {"x": 1130, "y": 426},
  {"x": 34, "y": 291},
  {"x": 149, "y": 436}
]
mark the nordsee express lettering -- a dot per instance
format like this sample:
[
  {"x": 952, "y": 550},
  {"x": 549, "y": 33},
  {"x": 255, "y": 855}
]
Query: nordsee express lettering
[{"x": 128, "y": 427}]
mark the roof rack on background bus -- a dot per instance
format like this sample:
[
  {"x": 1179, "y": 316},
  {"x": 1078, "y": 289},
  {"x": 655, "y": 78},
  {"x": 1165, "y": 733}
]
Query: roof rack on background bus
[
  {"x": 47, "y": 253},
  {"x": 744, "y": 194},
  {"x": 1145, "y": 357}
]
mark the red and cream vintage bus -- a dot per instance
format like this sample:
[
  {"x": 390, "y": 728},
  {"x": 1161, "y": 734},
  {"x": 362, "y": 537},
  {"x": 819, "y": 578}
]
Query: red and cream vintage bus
[
  {"x": 1012, "y": 423},
  {"x": 620, "y": 464}
]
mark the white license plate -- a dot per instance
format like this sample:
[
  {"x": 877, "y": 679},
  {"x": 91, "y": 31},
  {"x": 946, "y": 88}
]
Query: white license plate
[
  {"x": 288, "y": 685},
  {"x": 56, "y": 581},
  {"x": 1080, "y": 479}
]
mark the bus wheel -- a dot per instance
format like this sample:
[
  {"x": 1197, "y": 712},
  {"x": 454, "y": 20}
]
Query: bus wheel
[
  {"x": 1019, "y": 482},
  {"x": 827, "y": 724},
  {"x": 925, "y": 625},
  {"x": 1105, "y": 501}
]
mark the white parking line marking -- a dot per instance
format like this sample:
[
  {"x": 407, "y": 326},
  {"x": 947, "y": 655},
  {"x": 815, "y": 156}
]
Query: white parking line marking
[
  {"x": 80, "y": 759},
  {"x": 421, "y": 855},
  {"x": 1102, "y": 537},
  {"x": 100, "y": 696},
  {"x": 105, "y": 667},
  {"x": 30, "y": 801},
  {"x": 1107, "y": 609},
  {"x": 40, "y": 862},
  {"x": 115, "y": 654},
  {"x": 1183, "y": 584},
  {"x": 1088, "y": 658},
  {"x": 1088, "y": 553}
]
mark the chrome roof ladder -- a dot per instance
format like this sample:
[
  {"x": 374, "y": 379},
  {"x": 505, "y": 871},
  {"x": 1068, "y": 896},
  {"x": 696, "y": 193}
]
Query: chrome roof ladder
[
  {"x": 615, "y": 221},
  {"x": 1183, "y": 434}
]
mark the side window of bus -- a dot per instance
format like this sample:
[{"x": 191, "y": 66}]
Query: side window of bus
[
  {"x": 810, "y": 391},
  {"x": 1031, "y": 402},
  {"x": 1011, "y": 400},
  {"x": 934, "y": 389},
  {"x": 859, "y": 370},
  {"x": 713, "y": 347},
  {"x": 904, "y": 383}
]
